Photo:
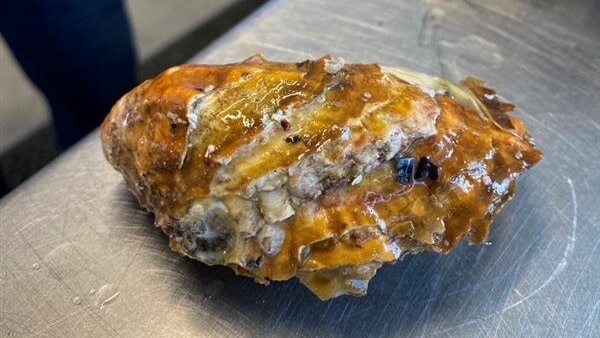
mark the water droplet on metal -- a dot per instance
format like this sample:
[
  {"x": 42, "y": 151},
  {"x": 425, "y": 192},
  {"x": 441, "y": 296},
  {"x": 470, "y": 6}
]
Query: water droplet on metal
[{"x": 105, "y": 295}]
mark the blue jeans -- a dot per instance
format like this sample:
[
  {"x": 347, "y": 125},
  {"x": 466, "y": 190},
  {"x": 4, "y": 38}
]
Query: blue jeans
[{"x": 79, "y": 53}]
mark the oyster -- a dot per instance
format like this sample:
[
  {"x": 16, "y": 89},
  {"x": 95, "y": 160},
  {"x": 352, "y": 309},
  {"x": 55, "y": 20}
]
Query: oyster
[{"x": 320, "y": 170}]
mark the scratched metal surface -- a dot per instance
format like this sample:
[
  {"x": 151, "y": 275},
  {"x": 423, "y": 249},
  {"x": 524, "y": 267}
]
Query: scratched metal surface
[{"x": 80, "y": 259}]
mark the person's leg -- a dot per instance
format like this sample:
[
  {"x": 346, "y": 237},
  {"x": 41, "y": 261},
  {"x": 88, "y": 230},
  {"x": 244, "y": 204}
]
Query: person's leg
[{"x": 79, "y": 53}]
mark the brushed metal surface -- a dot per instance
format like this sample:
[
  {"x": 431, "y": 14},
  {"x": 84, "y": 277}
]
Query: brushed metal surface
[{"x": 80, "y": 259}]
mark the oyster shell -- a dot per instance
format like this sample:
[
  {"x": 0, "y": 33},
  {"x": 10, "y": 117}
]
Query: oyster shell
[{"x": 320, "y": 170}]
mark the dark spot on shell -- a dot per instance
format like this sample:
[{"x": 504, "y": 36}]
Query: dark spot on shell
[
  {"x": 426, "y": 170},
  {"x": 405, "y": 167},
  {"x": 303, "y": 65},
  {"x": 254, "y": 264},
  {"x": 293, "y": 138}
]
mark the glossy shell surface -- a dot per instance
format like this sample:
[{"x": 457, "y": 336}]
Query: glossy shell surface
[{"x": 289, "y": 169}]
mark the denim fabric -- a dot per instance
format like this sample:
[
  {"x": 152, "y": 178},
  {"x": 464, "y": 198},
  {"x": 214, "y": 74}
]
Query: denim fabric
[{"x": 79, "y": 53}]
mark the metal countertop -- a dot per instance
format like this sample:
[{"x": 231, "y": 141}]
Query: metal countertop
[{"x": 80, "y": 259}]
